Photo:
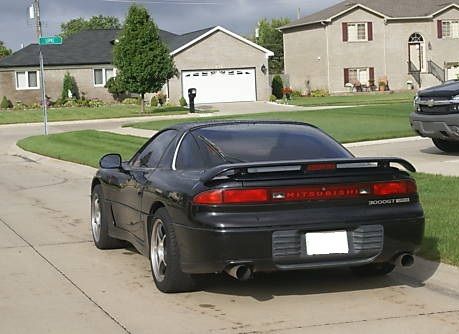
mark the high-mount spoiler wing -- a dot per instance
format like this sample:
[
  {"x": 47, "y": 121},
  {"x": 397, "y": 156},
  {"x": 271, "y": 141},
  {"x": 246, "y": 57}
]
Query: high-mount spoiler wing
[{"x": 231, "y": 170}]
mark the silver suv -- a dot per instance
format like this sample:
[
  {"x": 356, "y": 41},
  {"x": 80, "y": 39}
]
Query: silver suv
[{"x": 436, "y": 115}]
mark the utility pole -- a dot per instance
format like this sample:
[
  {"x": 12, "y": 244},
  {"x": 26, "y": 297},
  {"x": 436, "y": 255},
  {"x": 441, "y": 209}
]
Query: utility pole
[{"x": 38, "y": 30}]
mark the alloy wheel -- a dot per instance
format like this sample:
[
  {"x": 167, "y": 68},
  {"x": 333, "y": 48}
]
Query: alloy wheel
[{"x": 158, "y": 250}]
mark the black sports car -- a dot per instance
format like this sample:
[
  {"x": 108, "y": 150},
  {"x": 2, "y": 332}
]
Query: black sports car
[{"x": 250, "y": 196}]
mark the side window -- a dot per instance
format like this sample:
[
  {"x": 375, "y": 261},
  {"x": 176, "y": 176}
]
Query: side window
[
  {"x": 189, "y": 155},
  {"x": 151, "y": 154}
]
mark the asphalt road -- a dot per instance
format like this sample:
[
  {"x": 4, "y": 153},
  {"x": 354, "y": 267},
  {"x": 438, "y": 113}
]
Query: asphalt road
[{"x": 53, "y": 280}]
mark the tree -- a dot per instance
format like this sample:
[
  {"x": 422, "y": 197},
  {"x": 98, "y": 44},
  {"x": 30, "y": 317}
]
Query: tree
[
  {"x": 96, "y": 22},
  {"x": 272, "y": 39},
  {"x": 4, "y": 51},
  {"x": 278, "y": 87},
  {"x": 142, "y": 59},
  {"x": 69, "y": 84}
]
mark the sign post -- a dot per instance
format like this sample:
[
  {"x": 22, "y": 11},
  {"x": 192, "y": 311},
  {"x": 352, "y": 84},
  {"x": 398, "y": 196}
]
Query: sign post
[{"x": 53, "y": 40}]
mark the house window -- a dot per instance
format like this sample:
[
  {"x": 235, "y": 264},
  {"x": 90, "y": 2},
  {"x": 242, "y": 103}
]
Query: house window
[
  {"x": 27, "y": 80},
  {"x": 359, "y": 76},
  {"x": 358, "y": 32},
  {"x": 450, "y": 29},
  {"x": 102, "y": 75}
]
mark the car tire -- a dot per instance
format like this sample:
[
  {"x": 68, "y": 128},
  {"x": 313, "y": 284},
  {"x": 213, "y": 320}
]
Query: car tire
[
  {"x": 374, "y": 269},
  {"x": 165, "y": 257},
  {"x": 447, "y": 146},
  {"x": 100, "y": 222}
]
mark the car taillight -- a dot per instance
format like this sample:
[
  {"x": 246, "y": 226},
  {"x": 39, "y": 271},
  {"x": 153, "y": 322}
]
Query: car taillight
[
  {"x": 232, "y": 196},
  {"x": 305, "y": 193},
  {"x": 394, "y": 188}
]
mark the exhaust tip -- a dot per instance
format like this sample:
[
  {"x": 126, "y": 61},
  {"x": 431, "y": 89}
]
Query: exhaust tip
[
  {"x": 405, "y": 260},
  {"x": 241, "y": 272}
]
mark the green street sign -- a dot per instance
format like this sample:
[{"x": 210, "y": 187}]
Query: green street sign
[{"x": 52, "y": 40}]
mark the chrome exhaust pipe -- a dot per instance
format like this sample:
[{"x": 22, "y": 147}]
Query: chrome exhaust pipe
[
  {"x": 240, "y": 272},
  {"x": 405, "y": 260}
]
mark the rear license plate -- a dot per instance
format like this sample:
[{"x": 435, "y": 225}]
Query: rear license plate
[{"x": 325, "y": 243}]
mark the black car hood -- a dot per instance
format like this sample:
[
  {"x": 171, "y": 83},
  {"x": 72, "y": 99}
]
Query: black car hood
[{"x": 449, "y": 89}]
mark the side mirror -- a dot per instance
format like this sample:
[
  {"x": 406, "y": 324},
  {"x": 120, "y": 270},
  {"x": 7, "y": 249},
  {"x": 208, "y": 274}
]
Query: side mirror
[{"x": 110, "y": 161}]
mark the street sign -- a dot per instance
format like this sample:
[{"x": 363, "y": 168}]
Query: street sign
[{"x": 52, "y": 40}]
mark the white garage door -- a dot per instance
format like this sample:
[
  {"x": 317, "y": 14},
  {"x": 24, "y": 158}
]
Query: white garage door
[
  {"x": 234, "y": 85},
  {"x": 453, "y": 72}
]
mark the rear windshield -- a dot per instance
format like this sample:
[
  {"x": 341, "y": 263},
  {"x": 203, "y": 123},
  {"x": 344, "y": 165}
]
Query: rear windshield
[{"x": 222, "y": 144}]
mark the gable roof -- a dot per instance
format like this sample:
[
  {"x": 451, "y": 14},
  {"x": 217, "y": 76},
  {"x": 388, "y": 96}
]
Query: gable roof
[
  {"x": 226, "y": 31},
  {"x": 388, "y": 9},
  {"x": 93, "y": 47}
]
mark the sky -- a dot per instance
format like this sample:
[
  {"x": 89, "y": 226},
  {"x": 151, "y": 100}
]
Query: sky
[{"x": 239, "y": 16}]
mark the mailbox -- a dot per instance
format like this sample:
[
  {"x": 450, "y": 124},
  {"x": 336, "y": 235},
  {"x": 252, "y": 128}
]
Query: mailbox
[{"x": 191, "y": 96}]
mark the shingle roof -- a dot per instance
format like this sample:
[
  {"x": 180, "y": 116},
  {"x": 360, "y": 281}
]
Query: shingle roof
[
  {"x": 88, "y": 47},
  {"x": 388, "y": 8}
]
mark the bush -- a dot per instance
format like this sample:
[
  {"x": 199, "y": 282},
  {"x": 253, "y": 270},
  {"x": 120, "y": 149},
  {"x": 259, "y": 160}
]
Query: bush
[
  {"x": 95, "y": 103},
  {"x": 131, "y": 100},
  {"x": 71, "y": 103},
  {"x": 115, "y": 88},
  {"x": 296, "y": 93},
  {"x": 58, "y": 103},
  {"x": 6, "y": 104},
  {"x": 320, "y": 93},
  {"x": 161, "y": 98},
  {"x": 69, "y": 84},
  {"x": 278, "y": 87},
  {"x": 183, "y": 102},
  {"x": 20, "y": 106},
  {"x": 154, "y": 102},
  {"x": 272, "y": 98}
]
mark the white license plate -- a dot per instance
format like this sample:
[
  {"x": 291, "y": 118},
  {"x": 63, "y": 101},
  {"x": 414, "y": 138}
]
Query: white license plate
[{"x": 325, "y": 243}]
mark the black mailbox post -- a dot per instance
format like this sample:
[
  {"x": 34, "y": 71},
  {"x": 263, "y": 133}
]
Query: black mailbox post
[{"x": 192, "y": 95}]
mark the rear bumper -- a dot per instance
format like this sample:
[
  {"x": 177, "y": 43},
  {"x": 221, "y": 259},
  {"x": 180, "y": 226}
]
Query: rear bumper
[
  {"x": 436, "y": 126},
  {"x": 271, "y": 249}
]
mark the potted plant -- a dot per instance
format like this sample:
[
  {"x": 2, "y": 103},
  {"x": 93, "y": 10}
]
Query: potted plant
[
  {"x": 382, "y": 85},
  {"x": 349, "y": 86}
]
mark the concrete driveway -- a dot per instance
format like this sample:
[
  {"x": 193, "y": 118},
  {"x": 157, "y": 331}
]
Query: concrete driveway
[
  {"x": 419, "y": 151},
  {"x": 53, "y": 280}
]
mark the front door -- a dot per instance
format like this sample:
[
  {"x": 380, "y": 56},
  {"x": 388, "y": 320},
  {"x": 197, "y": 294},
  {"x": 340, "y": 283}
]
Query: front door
[{"x": 417, "y": 56}]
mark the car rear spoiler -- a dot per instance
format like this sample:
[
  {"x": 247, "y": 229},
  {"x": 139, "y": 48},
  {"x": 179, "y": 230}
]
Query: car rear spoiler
[{"x": 230, "y": 170}]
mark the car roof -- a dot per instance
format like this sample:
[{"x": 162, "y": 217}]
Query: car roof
[{"x": 190, "y": 126}]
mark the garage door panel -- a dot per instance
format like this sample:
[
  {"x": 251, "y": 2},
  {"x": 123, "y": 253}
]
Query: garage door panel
[{"x": 233, "y": 85}]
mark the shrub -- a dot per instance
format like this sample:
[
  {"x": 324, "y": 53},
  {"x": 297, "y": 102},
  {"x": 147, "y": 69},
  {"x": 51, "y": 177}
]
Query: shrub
[
  {"x": 115, "y": 88},
  {"x": 161, "y": 98},
  {"x": 131, "y": 100},
  {"x": 83, "y": 103},
  {"x": 20, "y": 106},
  {"x": 296, "y": 93},
  {"x": 320, "y": 93},
  {"x": 58, "y": 103},
  {"x": 278, "y": 87},
  {"x": 183, "y": 102},
  {"x": 95, "y": 103},
  {"x": 6, "y": 104},
  {"x": 154, "y": 101},
  {"x": 69, "y": 84},
  {"x": 272, "y": 98},
  {"x": 71, "y": 103}
]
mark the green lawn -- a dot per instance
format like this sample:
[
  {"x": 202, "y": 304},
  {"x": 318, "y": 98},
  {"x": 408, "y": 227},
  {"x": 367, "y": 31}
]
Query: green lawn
[
  {"x": 355, "y": 100},
  {"x": 346, "y": 125},
  {"x": 83, "y": 147},
  {"x": 438, "y": 193},
  {"x": 440, "y": 201},
  {"x": 78, "y": 113}
]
